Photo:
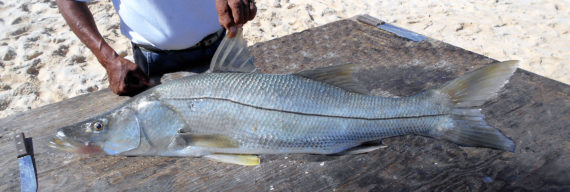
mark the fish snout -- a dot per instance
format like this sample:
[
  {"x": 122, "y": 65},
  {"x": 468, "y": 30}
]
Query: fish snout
[
  {"x": 60, "y": 134},
  {"x": 63, "y": 142}
]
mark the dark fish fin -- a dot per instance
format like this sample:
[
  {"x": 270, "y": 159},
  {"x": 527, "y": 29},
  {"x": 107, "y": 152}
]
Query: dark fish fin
[
  {"x": 233, "y": 56},
  {"x": 340, "y": 76},
  {"x": 467, "y": 94},
  {"x": 204, "y": 140},
  {"x": 238, "y": 159}
]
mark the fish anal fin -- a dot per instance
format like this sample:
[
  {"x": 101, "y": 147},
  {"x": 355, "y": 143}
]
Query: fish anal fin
[
  {"x": 341, "y": 76},
  {"x": 238, "y": 159},
  {"x": 205, "y": 140},
  {"x": 233, "y": 55},
  {"x": 364, "y": 148}
]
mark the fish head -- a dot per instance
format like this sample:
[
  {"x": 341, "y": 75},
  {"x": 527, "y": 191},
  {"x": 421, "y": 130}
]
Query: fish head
[{"x": 111, "y": 134}]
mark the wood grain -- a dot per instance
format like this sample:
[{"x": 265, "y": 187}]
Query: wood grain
[{"x": 532, "y": 110}]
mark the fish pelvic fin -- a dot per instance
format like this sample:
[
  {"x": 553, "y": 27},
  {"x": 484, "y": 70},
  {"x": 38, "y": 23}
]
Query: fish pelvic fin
[
  {"x": 238, "y": 159},
  {"x": 233, "y": 55},
  {"x": 467, "y": 94}
]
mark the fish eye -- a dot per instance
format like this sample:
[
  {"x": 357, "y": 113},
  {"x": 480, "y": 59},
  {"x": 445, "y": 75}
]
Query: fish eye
[{"x": 98, "y": 126}]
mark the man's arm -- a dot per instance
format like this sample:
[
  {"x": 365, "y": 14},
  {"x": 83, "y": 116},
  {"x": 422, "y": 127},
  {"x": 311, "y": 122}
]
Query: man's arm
[
  {"x": 125, "y": 78},
  {"x": 232, "y": 14}
]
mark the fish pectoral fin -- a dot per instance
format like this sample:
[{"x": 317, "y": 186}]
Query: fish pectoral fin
[
  {"x": 205, "y": 140},
  {"x": 364, "y": 148},
  {"x": 238, "y": 159},
  {"x": 341, "y": 76}
]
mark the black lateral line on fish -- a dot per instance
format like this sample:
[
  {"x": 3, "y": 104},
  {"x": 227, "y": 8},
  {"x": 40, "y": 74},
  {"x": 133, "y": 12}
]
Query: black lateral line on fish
[{"x": 310, "y": 114}]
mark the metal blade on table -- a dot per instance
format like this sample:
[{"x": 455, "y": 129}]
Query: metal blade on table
[{"x": 28, "y": 180}]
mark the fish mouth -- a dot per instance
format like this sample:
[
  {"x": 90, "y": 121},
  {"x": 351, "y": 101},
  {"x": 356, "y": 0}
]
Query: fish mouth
[{"x": 63, "y": 143}]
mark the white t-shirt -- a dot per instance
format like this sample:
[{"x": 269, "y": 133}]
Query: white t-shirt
[{"x": 167, "y": 24}]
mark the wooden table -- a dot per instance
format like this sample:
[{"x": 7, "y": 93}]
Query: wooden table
[{"x": 532, "y": 110}]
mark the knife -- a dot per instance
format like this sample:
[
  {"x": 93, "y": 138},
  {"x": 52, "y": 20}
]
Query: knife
[
  {"x": 28, "y": 180},
  {"x": 410, "y": 35}
]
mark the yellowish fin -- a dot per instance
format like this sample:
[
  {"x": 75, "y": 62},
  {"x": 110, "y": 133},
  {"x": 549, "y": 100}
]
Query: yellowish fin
[
  {"x": 238, "y": 159},
  {"x": 213, "y": 141}
]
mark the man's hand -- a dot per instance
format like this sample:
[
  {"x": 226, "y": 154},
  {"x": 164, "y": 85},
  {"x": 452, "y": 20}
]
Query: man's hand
[
  {"x": 232, "y": 14},
  {"x": 125, "y": 77}
]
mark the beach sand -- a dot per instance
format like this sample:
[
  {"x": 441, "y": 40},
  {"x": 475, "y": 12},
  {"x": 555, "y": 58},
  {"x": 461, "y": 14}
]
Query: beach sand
[{"x": 42, "y": 61}]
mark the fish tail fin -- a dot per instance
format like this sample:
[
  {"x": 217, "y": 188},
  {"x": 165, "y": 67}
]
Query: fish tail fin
[{"x": 467, "y": 94}]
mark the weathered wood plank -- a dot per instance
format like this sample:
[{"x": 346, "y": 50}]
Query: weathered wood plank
[{"x": 532, "y": 110}]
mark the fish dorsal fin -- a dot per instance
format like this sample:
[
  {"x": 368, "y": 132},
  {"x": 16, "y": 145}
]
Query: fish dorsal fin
[
  {"x": 340, "y": 76},
  {"x": 233, "y": 56}
]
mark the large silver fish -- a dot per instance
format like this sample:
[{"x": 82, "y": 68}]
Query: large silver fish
[{"x": 231, "y": 114}]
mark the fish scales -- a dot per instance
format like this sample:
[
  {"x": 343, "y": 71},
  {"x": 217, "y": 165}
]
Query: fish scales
[
  {"x": 300, "y": 95},
  {"x": 268, "y": 131},
  {"x": 285, "y": 125}
]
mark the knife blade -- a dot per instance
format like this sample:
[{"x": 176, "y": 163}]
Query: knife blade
[
  {"x": 28, "y": 180},
  {"x": 410, "y": 35},
  {"x": 401, "y": 32}
]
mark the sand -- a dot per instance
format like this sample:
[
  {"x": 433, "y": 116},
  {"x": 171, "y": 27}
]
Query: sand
[{"x": 42, "y": 61}]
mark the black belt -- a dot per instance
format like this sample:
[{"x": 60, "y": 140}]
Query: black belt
[{"x": 206, "y": 42}]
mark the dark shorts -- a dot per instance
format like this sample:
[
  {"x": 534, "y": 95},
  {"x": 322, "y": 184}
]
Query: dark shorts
[{"x": 156, "y": 63}]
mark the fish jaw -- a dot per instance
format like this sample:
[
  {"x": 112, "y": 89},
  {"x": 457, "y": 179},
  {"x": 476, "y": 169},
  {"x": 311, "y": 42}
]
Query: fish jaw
[{"x": 61, "y": 142}]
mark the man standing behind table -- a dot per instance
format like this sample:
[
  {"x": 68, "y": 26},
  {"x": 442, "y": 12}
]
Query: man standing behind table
[{"x": 167, "y": 36}]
